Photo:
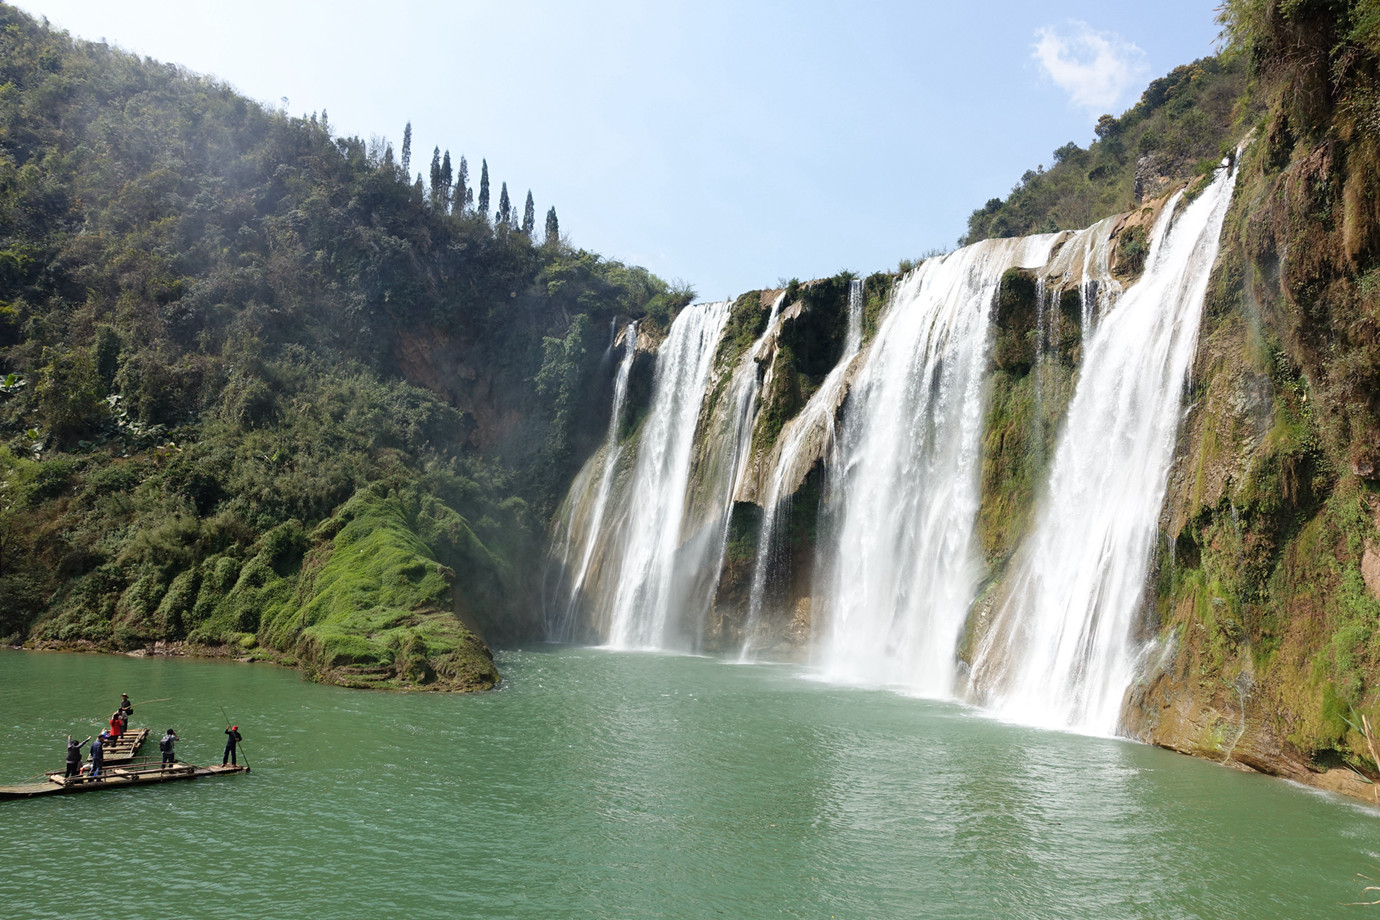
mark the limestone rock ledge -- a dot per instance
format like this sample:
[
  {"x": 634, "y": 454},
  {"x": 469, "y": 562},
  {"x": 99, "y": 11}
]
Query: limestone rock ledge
[{"x": 1222, "y": 723}]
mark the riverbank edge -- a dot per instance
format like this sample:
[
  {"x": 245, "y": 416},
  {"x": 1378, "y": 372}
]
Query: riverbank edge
[{"x": 335, "y": 677}]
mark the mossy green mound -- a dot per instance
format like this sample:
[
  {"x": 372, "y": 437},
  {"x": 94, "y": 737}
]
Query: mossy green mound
[{"x": 374, "y": 606}]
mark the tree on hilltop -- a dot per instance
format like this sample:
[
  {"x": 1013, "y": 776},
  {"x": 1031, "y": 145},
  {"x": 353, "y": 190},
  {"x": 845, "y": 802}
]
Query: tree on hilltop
[
  {"x": 464, "y": 195},
  {"x": 483, "y": 205},
  {"x": 504, "y": 218},
  {"x": 553, "y": 228},
  {"x": 435, "y": 175},
  {"x": 445, "y": 182}
]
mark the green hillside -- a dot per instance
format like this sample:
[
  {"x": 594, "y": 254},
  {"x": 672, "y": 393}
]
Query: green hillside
[
  {"x": 1183, "y": 125},
  {"x": 225, "y": 331}
]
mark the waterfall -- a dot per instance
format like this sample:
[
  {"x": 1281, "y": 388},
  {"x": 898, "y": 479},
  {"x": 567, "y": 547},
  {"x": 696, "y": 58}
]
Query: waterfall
[
  {"x": 813, "y": 425},
  {"x": 1060, "y": 650},
  {"x": 651, "y": 534},
  {"x": 1086, "y": 256},
  {"x": 590, "y": 535},
  {"x": 899, "y": 570},
  {"x": 723, "y": 466}
]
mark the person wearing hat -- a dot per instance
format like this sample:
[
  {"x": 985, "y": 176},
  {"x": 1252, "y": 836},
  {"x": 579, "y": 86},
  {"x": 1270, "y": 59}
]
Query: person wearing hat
[
  {"x": 126, "y": 708},
  {"x": 232, "y": 738},
  {"x": 74, "y": 756},
  {"x": 165, "y": 744}
]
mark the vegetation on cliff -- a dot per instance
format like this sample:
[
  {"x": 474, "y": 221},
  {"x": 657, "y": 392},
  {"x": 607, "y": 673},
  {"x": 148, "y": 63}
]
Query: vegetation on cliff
[
  {"x": 1030, "y": 387},
  {"x": 223, "y": 329},
  {"x": 1270, "y": 586},
  {"x": 1184, "y": 123}
]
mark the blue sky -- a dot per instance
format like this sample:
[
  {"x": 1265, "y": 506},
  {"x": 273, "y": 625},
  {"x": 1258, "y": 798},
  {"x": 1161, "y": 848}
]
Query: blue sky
[{"x": 726, "y": 144}]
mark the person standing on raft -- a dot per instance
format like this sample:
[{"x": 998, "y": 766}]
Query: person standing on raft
[
  {"x": 126, "y": 708},
  {"x": 97, "y": 754},
  {"x": 165, "y": 744},
  {"x": 74, "y": 756},
  {"x": 232, "y": 738}
]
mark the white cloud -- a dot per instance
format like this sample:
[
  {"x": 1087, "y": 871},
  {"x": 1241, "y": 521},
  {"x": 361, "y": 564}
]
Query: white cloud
[{"x": 1099, "y": 70}]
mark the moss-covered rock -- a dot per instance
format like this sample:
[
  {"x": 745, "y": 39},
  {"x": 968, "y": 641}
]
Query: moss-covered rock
[
  {"x": 374, "y": 606},
  {"x": 1267, "y": 625}
]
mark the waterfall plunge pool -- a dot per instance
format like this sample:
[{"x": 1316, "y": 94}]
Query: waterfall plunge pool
[{"x": 600, "y": 784}]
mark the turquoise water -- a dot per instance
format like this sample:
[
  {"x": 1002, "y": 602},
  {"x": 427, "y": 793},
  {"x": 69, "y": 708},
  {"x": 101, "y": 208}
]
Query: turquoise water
[{"x": 607, "y": 785}]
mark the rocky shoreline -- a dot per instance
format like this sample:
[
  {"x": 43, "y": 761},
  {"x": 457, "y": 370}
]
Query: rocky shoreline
[{"x": 339, "y": 677}]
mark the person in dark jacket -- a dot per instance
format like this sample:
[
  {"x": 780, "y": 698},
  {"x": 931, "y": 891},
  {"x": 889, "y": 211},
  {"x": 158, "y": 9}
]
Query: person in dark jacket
[
  {"x": 126, "y": 708},
  {"x": 232, "y": 738},
  {"x": 165, "y": 744},
  {"x": 98, "y": 753},
  {"x": 74, "y": 755}
]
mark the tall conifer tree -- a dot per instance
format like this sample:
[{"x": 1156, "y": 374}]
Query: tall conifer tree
[
  {"x": 445, "y": 182},
  {"x": 407, "y": 149},
  {"x": 435, "y": 175},
  {"x": 483, "y": 205},
  {"x": 553, "y": 228},
  {"x": 504, "y": 218},
  {"x": 464, "y": 195},
  {"x": 529, "y": 215}
]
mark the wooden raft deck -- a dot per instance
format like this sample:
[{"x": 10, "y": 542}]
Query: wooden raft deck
[
  {"x": 123, "y": 748},
  {"x": 143, "y": 774}
]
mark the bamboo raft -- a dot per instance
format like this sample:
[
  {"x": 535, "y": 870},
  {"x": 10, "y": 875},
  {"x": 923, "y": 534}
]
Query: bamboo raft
[
  {"x": 123, "y": 748},
  {"x": 140, "y": 774}
]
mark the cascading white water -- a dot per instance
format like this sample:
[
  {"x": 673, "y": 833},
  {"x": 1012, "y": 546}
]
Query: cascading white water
[
  {"x": 589, "y": 536},
  {"x": 1060, "y": 651},
  {"x": 724, "y": 465},
  {"x": 651, "y": 535},
  {"x": 899, "y": 568},
  {"x": 813, "y": 424},
  {"x": 1087, "y": 254}
]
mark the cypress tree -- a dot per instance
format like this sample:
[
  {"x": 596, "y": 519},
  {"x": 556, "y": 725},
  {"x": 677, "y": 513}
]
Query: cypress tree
[
  {"x": 407, "y": 149},
  {"x": 445, "y": 182},
  {"x": 483, "y": 206},
  {"x": 553, "y": 228},
  {"x": 464, "y": 195},
  {"x": 504, "y": 218},
  {"x": 529, "y": 215},
  {"x": 435, "y": 175}
]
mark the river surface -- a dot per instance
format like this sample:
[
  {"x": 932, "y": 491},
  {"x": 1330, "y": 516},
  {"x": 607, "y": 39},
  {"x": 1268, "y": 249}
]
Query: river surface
[{"x": 598, "y": 784}]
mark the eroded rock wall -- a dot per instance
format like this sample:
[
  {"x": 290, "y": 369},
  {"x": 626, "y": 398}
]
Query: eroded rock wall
[{"x": 1265, "y": 621}]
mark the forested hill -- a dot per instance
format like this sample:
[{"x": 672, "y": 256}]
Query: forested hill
[
  {"x": 235, "y": 349},
  {"x": 1183, "y": 125}
]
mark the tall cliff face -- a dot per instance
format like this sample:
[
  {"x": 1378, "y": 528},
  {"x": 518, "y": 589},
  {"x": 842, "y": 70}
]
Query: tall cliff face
[
  {"x": 1266, "y": 592},
  {"x": 1267, "y": 585}
]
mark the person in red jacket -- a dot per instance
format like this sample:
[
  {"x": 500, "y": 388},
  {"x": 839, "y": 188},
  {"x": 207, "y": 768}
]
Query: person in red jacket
[{"x": 117, "y": 726}]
